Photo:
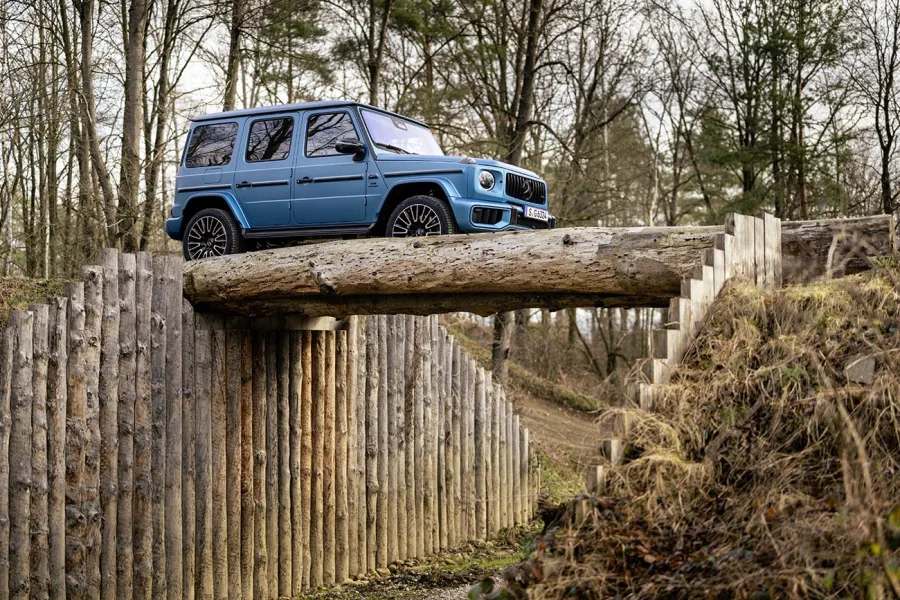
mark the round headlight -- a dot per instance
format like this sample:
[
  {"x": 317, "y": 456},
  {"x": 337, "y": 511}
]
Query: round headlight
[{"x": 486, "y": 180}]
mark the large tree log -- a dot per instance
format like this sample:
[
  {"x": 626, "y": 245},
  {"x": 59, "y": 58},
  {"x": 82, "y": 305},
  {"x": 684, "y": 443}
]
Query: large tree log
[{"x": 641, "y": 266}]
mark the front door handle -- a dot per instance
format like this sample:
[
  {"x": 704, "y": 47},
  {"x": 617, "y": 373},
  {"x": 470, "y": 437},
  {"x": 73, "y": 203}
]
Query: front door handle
[
  {"x": 304, "y": 180},
  {"x": 243, "y": 184}
]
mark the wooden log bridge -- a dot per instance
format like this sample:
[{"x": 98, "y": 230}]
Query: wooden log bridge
[{"x": 484, "y": 274}]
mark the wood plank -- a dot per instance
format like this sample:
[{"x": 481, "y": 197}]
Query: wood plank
[
  {"x": 127, "y": 272},
  {"x": 39, "y": 527},
  {"x": 56, "y": 443}
]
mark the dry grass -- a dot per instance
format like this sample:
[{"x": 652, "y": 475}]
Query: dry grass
[
  {"x": 765, "y": 473},
  {"x": 19, "y": 292}
]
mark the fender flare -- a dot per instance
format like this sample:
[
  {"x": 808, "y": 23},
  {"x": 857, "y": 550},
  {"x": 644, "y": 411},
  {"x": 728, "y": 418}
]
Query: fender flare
[
  {"x": 233, "y": 205},
  {"x": 447, "y": 186}
]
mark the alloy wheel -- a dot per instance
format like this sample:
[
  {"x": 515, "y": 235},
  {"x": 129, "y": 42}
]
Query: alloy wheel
[
  {"x": 207, "y": 238},
  {"x": 417, "y": 220}
]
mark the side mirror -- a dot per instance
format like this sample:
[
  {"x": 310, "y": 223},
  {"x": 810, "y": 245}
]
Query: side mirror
[{"x": 351, "y": 146}]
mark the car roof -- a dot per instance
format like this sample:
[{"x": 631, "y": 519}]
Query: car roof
[{"x": 263, "y": 110}]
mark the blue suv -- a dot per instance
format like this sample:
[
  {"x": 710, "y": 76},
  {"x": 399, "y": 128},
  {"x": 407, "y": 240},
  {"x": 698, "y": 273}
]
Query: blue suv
[{"x": 336, "y": 169}]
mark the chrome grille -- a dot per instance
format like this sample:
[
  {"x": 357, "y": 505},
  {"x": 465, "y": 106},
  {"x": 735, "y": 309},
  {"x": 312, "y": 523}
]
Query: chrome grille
[{"x": 524, "y": 188}]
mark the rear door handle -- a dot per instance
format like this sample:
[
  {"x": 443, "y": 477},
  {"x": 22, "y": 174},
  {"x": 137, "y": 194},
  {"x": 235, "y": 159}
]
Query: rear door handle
[
  {"x": 304, "y": 180},
  {"x": 243, "y": 184}
]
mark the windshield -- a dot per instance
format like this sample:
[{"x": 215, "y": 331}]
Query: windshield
[{"x": 399, "y": 135}]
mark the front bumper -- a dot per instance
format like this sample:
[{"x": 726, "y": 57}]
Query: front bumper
[
  {"x": 477, "y": 216},
  {"x": 173, "y": 228}
]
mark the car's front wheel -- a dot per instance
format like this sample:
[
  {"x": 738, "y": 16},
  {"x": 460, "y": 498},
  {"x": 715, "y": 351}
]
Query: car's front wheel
[
  {"x": 420, "y": 216},
  {"x": 212, "y": 232}
]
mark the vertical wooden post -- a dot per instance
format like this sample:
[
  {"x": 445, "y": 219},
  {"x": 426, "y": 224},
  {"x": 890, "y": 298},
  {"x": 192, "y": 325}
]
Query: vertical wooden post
[
  {"x": 127, "y": 390},
  {"x": 402, "y": 485},
  {"x": 203, "y": 497},
  {"x": 373, "y": 375},
  {"x": 511, "y": 519},
  {"x": 56, "y": 444},
  {"x": 419, "y": 428},
  {"x": 495, "y": 494},
  {"x": 233, "y": 362},
  {"x": 296, "y": 425},
  {"x": 76, "y": 438},
  {"x": 471, "y": 378},
  {"x": 40, "y": 574},
  {"x": 93, "y": 314},
  {"x": 517, "y": 471},
  {"x": 352, "y": 373},
  {"x": 271, "y": 452},
  {"x": 531, "y": 489},
  {"x": 443, "y": 517},
  {"x": 21, "y": 398},
  {"x": 6, "y": 361},
  {"x": 260, "y": 544},
  {"x": 361, "y": 382},
  {"x": 189, "y": 379},
  {"x": 503, "y": 484},
  {"x": 284, "y": 529},
  {"x": 143, "y": 436},
  {"x": 248, "y": 505},
  {"x": 393, "y": 393},
  {"x": 306, "y": 453},
  {"x": 328, "y": 456},
  {"x": 342, "y": 530},
  {"x": 317, "y": 518},
  {"x": 219, "y": 468},
  {"x": 381, "y": 525},
  {"x": 428, "y": 401},
  {"x": 409, "y": 433},
  {"x": 480, "y": 455},
  {"x": 175, "y": 448},
  {"x": 456, "y": 504},
  {"x": 108, "y": 476}
]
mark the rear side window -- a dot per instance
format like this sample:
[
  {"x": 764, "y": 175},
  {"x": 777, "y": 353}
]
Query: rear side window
[
  {"x": 211, "y": 145},
  {"x": 324, "y": 131},
  {"x": 270, "y": 139}
]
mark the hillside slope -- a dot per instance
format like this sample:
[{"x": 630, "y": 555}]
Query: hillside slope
[{"x": 771, "y": 468}]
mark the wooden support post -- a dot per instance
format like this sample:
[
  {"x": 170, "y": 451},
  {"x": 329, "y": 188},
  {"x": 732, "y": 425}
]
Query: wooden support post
[
  {"x": 372, "y": 383},
  {"x": 480, "y": 455},
  {"x": 21, "y": 399},
  {"x": 353, "y": 470},
  {"x": 284, "y": 529},
  {"x": 260, "y": 544},
  {"x": 342, "y": 558},
  {"x": 143, "y": 435},
  {"x": 56, "y": 444},
  {"x": 393, "y": 360},
  {"x": 174, "y": 442},
  {"x": 295, "y": 399},
  {"x": 40, "y": 573},
  {"x": 419, "y": 437},
  {"x": 93, "y": 312},
  {"x": 328, "y": 461},
  {"x": 248, "y": 505},
  {"x": 306, "y": 453},
  {"x": 203, "y": 498},
  {"x": 410, "y": 400},
  {"x": 429, "y": 480},
  {"x": 517, "y": 471},
  {"x": 189, "y": 359},
  {"x": 440, "y": 422},
  {"x": 456, "y": 472},
  {"x": 524, "y": 475},
  {"x": 503, "y": 496},
  {"x": 510, "y": 466},
  {"x": 271, "y": 451},
  {"x": 158, "y": 391},
  {"x": 317, "y": 517},
  {"x": 494, "y": 495},
  {"x": 127, "y": 390},
  {"x": 233, "y": 342},
  {"x": 7, "y": 350},
  {"x": 381, "y": 527},
  {"x": 399, "y": 407},
  {"x": 361, "y": 382},
  {"x": 219, "y": 466}
]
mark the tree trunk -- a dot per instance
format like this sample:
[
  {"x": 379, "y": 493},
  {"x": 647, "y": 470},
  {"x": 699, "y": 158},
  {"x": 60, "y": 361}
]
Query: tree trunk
[
  {"x": 234, "y": 54},
  {"x": 503, "y": 323}
]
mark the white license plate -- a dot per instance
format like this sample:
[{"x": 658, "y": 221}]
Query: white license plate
[{"x": 537, "y": 213}]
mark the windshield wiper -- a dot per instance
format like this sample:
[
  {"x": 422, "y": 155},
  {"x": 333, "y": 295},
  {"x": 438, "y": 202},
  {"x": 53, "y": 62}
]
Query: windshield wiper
[{"x": 393, "y": 148}]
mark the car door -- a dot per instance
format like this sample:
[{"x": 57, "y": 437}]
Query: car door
[
  {"x": 329, "y": 187},
  {"x": 262, "y": 181}
]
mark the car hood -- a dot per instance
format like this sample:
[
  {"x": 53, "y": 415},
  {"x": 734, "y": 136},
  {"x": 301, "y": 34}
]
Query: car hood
[{"x": 456, "y": 160}]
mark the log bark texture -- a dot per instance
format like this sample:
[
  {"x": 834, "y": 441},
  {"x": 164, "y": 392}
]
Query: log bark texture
[{"x": 640, "y": 266}]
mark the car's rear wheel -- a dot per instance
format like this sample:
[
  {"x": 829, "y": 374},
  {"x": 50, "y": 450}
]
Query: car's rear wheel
[
  {"x": 421, "y": 216},
  {"x": 212, "y": 232}
]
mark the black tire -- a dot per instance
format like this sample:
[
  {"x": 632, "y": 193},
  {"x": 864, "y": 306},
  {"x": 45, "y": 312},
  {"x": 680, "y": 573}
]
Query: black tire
[
  {"x": 211, "y": 232},
  {"x": 419, "y": 216}
]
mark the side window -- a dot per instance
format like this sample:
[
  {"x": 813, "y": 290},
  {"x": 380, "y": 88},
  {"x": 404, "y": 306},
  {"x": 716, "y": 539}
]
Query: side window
[
  {"x": 270, "y": 139},
  {"x": 211, "y": 145},
  {"x": 325, "y": 130}
]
